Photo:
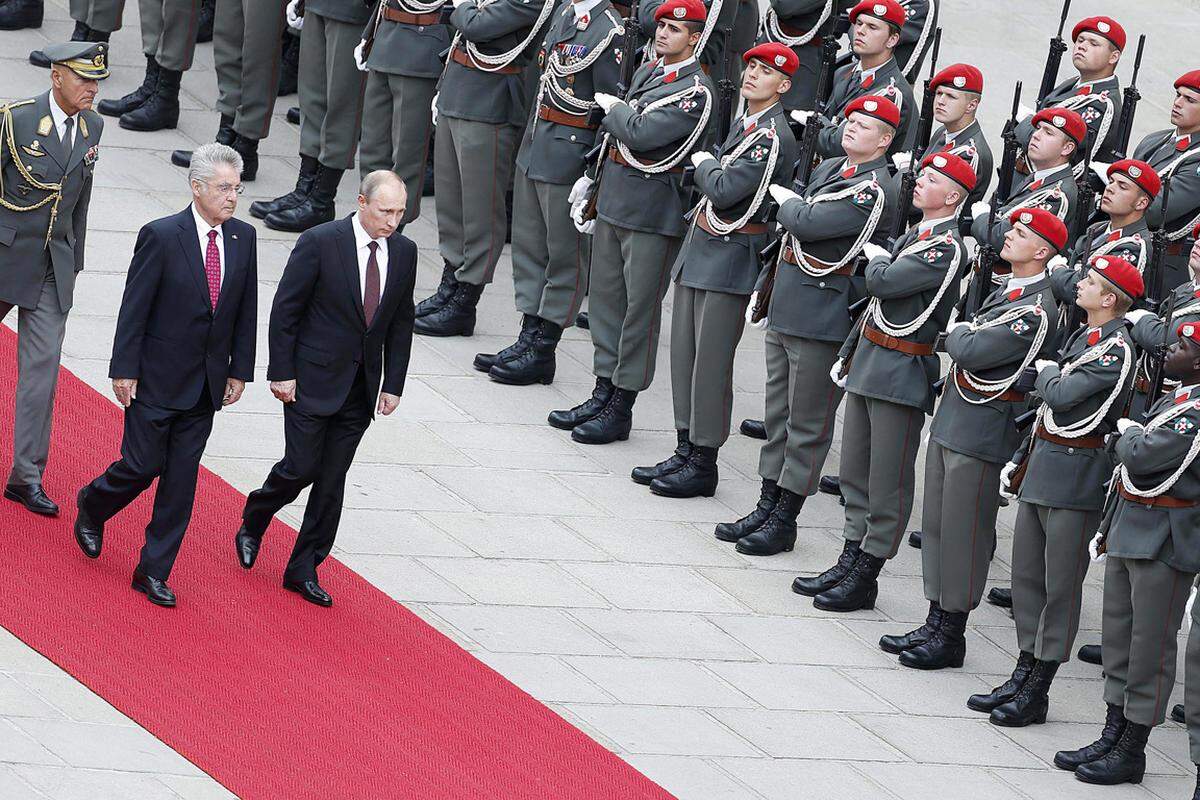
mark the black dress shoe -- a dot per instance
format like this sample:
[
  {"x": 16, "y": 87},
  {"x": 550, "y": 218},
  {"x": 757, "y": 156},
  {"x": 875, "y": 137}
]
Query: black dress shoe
[
  {"x": 767, "y": 498},
  {"x": 483, "y": 362},
  {"x": 914, "y": 539},
  {"x": 567, "y": 419},
  {"x": 1007, "y": 690},
  {"x": 293, "y": 115},
  {"x": 811, "y": 587},
  {"x": 89, "y": 534},
  {"x": 1091, "y": 654},
  {"x": 247, "y": 545},
  {"x": 830, "y": 484},
  {"x": 612, "y": 424},
  {"x": 456, "y": 317},
  {"x": 18, "y": 14},
  {"x": 582, "y": 321},
  {"x": 32, "y": 497},
  {"x": 1177, "y": 714},
  {"x": 310, "y": 591},
  {"x": 156, "y": 591},
  {"x": 683, "y": 448},
  {"x": 1114, "y": 726},
  {"x": 754, "y": 428},
  {"x": 536, "y": 363},
  {"x": 946, "y": 647},
  {"x": 1001, "y": 598},
  {"x": 1032, "y": 703},
  {"x": 1125, "y": 763},
  {"x": 778, "y": 533},
  {"x": 698, "y": 477},
  {"x": 898, "y": 644}
]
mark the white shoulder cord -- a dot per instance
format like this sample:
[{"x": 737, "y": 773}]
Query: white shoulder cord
[
  {"x": 1136, "y": 238},
  {"x": 721, "y": 227},
  {"x": 556, "y": 69},
  {"x": 414, "y": 6},
  {"x": 998, "y": 387},
  {"x": 770, "y": 26},
  {"x": 1162, "y": 419},
  {"x": 805, "y": 262},
  {"x": 668, "y": 163},
  {"x": 1086, "y": 425},
  {"x": 1080, "y": 100},
  {"x": 1040, "y": 195},
  {"x": 875, "y": 306},
  {"x": 490, "y": 63},
  {"x": 710, "y": 22},
  {"x": 916, "y": 53}
]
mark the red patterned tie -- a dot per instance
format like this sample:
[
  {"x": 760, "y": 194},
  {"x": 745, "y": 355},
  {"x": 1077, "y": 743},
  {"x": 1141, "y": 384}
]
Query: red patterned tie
[
  {"x": 371, "y": 290},
  {"x": 212, "y": 268}
]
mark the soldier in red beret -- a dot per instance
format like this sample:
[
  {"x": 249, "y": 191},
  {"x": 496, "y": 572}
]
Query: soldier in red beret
[{"x": 958, "y": 91}]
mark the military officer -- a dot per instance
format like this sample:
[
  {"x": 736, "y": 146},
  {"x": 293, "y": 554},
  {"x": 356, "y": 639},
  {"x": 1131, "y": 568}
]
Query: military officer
[
  {"x": 48, "y": 151},
  {"x": 716, "y": 270},
  {"x": 802, "y": 25},
  {"x": 580, "y": 57},
  {"x": 95, "y": 21},
  {"x": 973, "y": 435},
  {"x": 639, "y": 218},
  {"x": 957, "y": 93},
  {"x": 1152, "y": 556}
]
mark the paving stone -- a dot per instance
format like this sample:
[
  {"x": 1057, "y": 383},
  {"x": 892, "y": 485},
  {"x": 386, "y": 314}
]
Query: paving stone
[
  {"x": 801, "y": 641},
  {"x": 405, "y": 579},
  {"x": 620, "y": 497},
  {"x": 771, "y": 593},
  {"x": 17, "y": 700},
  {"x": 665, "y": 731},
  {"x": 18, "y": 746},
  {"x": 11, "y": 785},
  {"x": 663, "y": 633},
  {"x": 906, "y": 690},
  {"x": 522, "y": 630},
  {"x": 386, "y": 532},
  {"x": 788, "y": 779},
  {"x": 1043, "y": 741},
  {"x": 511, "y": 536},
  {"x": 65, "y": 783},
  {"x": 806, "y": 734},
  {"x": 664, "y": 682},
  {"x": 70, "y": 697},
  {"x": 197, "y": 788},
  {"x": 498, "y": 490},
  {"x": 546, "y": 677},
  {"x": 648, "y": 587},
  {"x": 943, "y": 740},
  {"x": 1063, "y": 786},
  {"x": 510, "y": 582},
  {"x": 917, "y": 781},
  {"x": 798, "y": 687},
  {"x": 678, "y": 543},
  {"x": 691, "y": 778}
]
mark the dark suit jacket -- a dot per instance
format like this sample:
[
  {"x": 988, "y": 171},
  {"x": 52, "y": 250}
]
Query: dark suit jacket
[
  {"x": 319, "y": 335},
  {"x": 168, "y": 336}
]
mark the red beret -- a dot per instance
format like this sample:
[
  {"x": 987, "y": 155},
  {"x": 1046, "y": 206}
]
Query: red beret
[
  {"x": 1120, "y": 273},
  {"x": 1188, "y": 330},
  {"x": 1107, "y": 27},
  {"x": 952, "y": 167},
  {"x": 1189, "y": 80},
  {"x": 959, "y": 76},
  {"x": 886, "y": 10},
  {"x": 682, "y": 11},
  {"x": 774, "y": 55},
  {"x": 873, "y": 105},
  {"x": 1140, "y": 173},
  {"x": 1065, "y": 120},
  {"x": 1043, "y": 223}
]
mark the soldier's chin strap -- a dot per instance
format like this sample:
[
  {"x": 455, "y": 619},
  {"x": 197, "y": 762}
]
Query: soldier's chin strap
[{"x": 7, "y": 137}]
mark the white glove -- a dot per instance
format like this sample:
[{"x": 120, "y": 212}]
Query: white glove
[
  {"x": 359, "y": 61},
  {"x": 762, "y": 323},
  {"x": 606, "y": 101},
  {"x": 835, "y": 375},
  {"x": 781, "y": 194},
  {"x": 577, "y": 217},
  {"x": 458, "y": 3},
  {"x": 579, "y": 191},
  {"x": 1138, "y": 314},
  {"x": 956, "y": 325},
  {"x": 1094, "y": 548},
  {"x": 1101, "y": 170},
  {"x": 971, "y": 246},
  {"x": 433, "y": 110},
  {"x": 1124, "y": 424},
  {"x": 295, "y": 22},
  {"x": 700, "y": 156},
  {"x": 1044, "y": 363},
  {"x": 980, "y": 209},
  {"x": 873, "y": 251},
  {"x": 1058, "y": 262},
  {"x": 1024, "y": 111},
  {"x": 902, "y": 161},
  {"x": 802, "y": 116},
  {"x": 1006, "y": 481}
]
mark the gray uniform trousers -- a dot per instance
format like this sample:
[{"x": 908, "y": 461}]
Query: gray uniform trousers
[
  {"x": 474, "y": 167},
  {"x": 100, "y": 15},
  {"x": 246, "y": 54},
  {"x": 397, "y": 121},
  {"x": 39, "y": 348},
  {"x": 706, "y": 327},
  {"x": 801, "y": 406},
  {"x": 1144, "y": 600},
  {"x": 169, "y": 31},
  {"x": 549, "y": 256},
  {"x": 1191, "y": 685},
  {"x": 963, "y": 492},
  {"x": 879, "y": 458},
  {"x": 630, "y": 272},
  {"x": 330, "y": 90}
]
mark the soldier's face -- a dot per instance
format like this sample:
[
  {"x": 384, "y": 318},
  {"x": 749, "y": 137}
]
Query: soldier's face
[
  {"x": 1122, "y": 196},
  {"x": 74, "y": 93},
  {"x": 761, "y": 83},
  {"x": 673, "y": 39},
  {"x": 934, "y": 190},
  {"x": 381, "y": 215},
  {"x": 1092, "y": 295},
  {"x": 1092, "y": 53},
  {"x": 1185, "y": 111},
  {"x": 1183, "y": 359},
  {"x": 1021, "y": 245},
  {"x": 864, "y": 135},
  {"x": 872, "y": 36},
  {"x": 217, "y": 197},
  {"x": 1048, "y": 144},
  {"x": 1194, "y": 261},
  {"x": 949, "y": 105}
]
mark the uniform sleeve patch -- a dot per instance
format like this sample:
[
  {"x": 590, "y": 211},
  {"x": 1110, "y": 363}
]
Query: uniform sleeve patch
[
  {"x": 1020, "y": 327},
  {"x": 1183, "y": 425},
  {"x": 688, "y": 104},
  {"x": 1107, "y": 360},
  {"x": 758, "y": 152}
]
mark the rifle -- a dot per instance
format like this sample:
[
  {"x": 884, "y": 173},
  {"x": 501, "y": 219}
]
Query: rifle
[
  {"x": 1054, "y": 56},
  {"x": 725, "y": 88},
  {"x": 924, "y": 131},
  {"x": 1085, "y": 201},
  {"x": 630, "y": 47},
  {"x": 1129, "y": 102},
  {"x": 1158, "y": 259}
]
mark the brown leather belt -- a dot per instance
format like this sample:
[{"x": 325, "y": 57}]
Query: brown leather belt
[
  {"x": 882, "y": 339},
  {"x": 615, "y": 155},
  {"x": 563, "y": 118},
  {"x": 1141, "y": 384},
  {"x": 789, "y": 255},
  {"x": 460, "y": 56},
  {"x": 1010, "y": 396},
  {"x": 1082, "y": 443},
  {"x": 396, "y": 15},
  {"x": 1162, "y": 501},
  {"x": 750, "y": 228}
]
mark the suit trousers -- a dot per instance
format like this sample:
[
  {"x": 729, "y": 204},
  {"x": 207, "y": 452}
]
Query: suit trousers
[
  {"x": 330, "y": 91},
  {"x": 1191, "y": 685},
  {"x": 630, "y": 273},
  {"x": 247, "y": 57},
  {"x": 705, "y": 330},
  {"x": 100, "y": 15},
  {"x": 474, "y": 168},
  {"x": 879, "y": 458},
  {"x": 801, "y": 408},
  {"x": 40, "y": 333},
  {"x": 318, "y": 451},
  {"x": 958, "y": 527},
  {"x": 169, "y": 31},
  {"x": 1049, "y": 562},
  {"x": 1144, "y": 602},
  {"x": 549, "y": 256},
  {"x": 397, "y": 122},
  {"x": 163, "y": 443}
]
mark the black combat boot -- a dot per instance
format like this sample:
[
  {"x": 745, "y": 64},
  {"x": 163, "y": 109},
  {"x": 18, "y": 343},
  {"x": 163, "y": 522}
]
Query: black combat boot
[
  {"x": 612, "y": 424},
  {"x": 305, "y": 182},
  {"x": 1000, "y": 597},
  {"x": 946, "y": 647},
  {"x": 135, "y": 99},
  {"x": 1114, "y": 726},
  {"x": 914, "y": 539},
  {"x": 289, "y": 65},
  {"x": 1125, "y": 763},
  {"x": 683, "y": 448},
  {"x": 1177, "y": 714},
  {"x": 754, "y": 428},
  {"x": 535, "y": 364},
  {"x": 225, "y": 135},
  {"x": 857, "y": 590},
  {"x": 445, "y": 290},
  {"x": 485, "y": 361},
  {"x": 583, "y": 321},
  {"x": 778, "y": 533},
  {"x": 898, "y": 644},
  {"x": 16, "y": 15},
  {"x": 1032, "y": 703},
  {"x": 204, "y": 22},
  {"x": 316, "y": 208},
  {"x": 767, "y": 498},
  {"x": 811, "y": 587},
  {"x": 1007, "y": 690},
  {"x": 248, "y": 150},
  {"x": 456, "y": 317},
  {"x": 698, "y": 476},
  {"x": 161, "y": 109},
  {"x": 293, "y": 115},
  {"x": 830, "y": 484},
  {"x": 567, "y": 419},
  {"x": 1091, "y": 654}
]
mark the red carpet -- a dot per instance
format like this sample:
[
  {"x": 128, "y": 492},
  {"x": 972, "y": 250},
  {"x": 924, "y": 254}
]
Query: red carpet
[{"x": 273, "y": 697}]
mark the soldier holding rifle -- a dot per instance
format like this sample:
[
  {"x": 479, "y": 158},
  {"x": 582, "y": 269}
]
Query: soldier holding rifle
[{"x": 958, "y": 91}]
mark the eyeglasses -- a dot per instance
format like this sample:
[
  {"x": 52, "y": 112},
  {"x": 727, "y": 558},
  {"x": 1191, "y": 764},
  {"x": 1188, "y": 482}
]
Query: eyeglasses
[{"x": 224, "y": 188}]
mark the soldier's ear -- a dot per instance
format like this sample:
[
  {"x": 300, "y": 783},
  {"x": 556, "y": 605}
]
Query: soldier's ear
[
  {"x": 1142, "y": 203},
  {"x": 893, "y": 39},
  {"x": 953, "y": 197},
  {"x": 785, "y": 86},
  {"x": 973, "y": 105}
]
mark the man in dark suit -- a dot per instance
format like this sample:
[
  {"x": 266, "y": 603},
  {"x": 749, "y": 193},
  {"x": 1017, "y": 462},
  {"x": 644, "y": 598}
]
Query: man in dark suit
[
  {"x": 184, "y": 348},
  {"x": 341, "y": 329}
]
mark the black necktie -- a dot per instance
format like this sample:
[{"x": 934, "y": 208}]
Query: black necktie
[
  {"x": 371, "y": 290},
  {"x": 68, "y": 140}
]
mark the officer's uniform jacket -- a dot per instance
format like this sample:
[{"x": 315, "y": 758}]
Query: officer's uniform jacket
[
  {"x": 916, "y": 35},
  {"x": 919, "y": 279},
  {"x": 44, "y": 202},
  {"x": 1150, "y": 456},
  {"x": 1056, "y": 192},
  {"x": 1180, "y": 159},
  {"x": 1061, "y": 476},
  {"x": 826, "y": 223},
  {"x": 848, "y": 84},
  {"x": 654, "y": 202},
  {"x": 1099, "y": 103},
  {"x": 354, "y": 12},
  {"x": 1131, "y": 243},
  {"x": 553, "y": 152},
  {"x": 1012, "y": 329},
  {"x": 401, "y": 48},
  {"x": 971, "y": 146}
]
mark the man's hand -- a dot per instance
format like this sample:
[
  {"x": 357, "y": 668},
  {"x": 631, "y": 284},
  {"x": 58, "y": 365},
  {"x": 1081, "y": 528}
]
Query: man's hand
[
  {"x": 1137, "y": 314},
  {"x": 1057, "y": 262},
  {"x": 295, "y": 14},
  {"x": 781, "y": 194},
  {"x": 1094, "y": 547},
  {"x": 606, "y": 101},
  {"x": 387, "y": 403},
  {"x": 1044, "y": 363},
  {"x": 802, "y": 116},
  {"x": 233, "y": 391},
  {"x": 902, "y": 161},
  {"x": 1006, "y": 481},
  {"x": 980, "y": 209},
  {"x": 458, "y": 3},
  {"x": 586, "y": 228},
  {"x": 873, "y": 251},
  {"x": 762, "y": 323},
  {"x": 125, "y": 389},
  {"x": 1124, "y": 424},
  {"x": 835, "y": 374},
  {"x": 700, "y": 156},
  {"x": 579, "y": 189},
  {"x": 284, "y": 391},
  {"x": 359, "y": 61}
]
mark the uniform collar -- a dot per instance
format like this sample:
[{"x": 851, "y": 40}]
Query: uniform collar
[
  {"x": 1022, "y": 283},
  {"x": 751, "y": 120},
  {"x": 581, "y": 7},
  {"x": 1184, "y": 393},
  {"x": 671, "y": 71}
]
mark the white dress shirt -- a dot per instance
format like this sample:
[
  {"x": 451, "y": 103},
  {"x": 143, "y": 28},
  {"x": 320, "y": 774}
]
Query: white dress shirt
[
  {"x": 202, "y": 229},
  {"x": 1020, "y": 283},
  {"x": 60, "y": 118},
  {"x": 580, "y": 8},
  {"x": 361, "y": 240}
]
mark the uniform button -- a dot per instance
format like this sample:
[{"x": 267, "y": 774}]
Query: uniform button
[
  {"x": 821, "y": 284},
  {"x": 420, "y": 27},
  {"x": 572, "y": 137},
  {"x": 726, "y": 238},
  {"x": 1070, "y": 449}
]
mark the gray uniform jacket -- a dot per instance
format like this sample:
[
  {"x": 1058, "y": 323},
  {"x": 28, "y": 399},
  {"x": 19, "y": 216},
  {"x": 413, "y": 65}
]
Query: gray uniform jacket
[
  {"x": 818, "y": 308},
  {"x": 412, "y": 50},
  {"x": 1073, "y": 477},
  {"x": 906, "y": 284},
  {"x": 1148, "y": 331},
  {"x": 1100, "y": 106},
  {"x": 643, "y": 201},
  {"x": 1036, "y": 192},
  {"x": 23, "y": 244},
  {"x": 730, "y": 263},
  {"x": 888, "y": 81},
  {"x": 712, "y": 55},
  {"x": 970, "y": 145},
  {"x": 552, "y": 152},
  {"x": 1131, "y": 243},
  {"x": 986, "y": 430},
  {"x": 797, "y": 19},
  {"x": 1159, "y": 150},
  {"x": 355, "y": 12}
]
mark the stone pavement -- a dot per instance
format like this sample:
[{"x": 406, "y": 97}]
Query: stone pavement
[{"x": 539, "y": 556}]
